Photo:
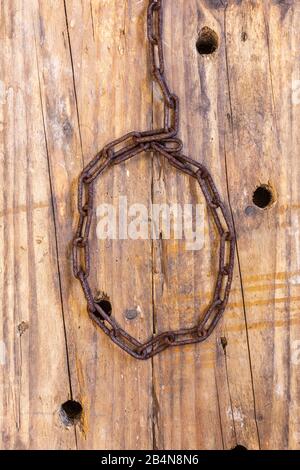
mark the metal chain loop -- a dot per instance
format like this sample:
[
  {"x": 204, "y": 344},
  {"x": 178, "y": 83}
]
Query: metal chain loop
[{"x": 165, "y": 142}]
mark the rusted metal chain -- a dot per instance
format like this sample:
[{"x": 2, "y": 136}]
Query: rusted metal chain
[{"x": 163, "y": 141}]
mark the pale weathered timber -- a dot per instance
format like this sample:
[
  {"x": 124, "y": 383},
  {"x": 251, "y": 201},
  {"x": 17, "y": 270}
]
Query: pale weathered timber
[
  {"x": 198, "y": 377},
  {"x": 263, "y": 74},
  {"x": 33, "y": 363},
  {"x": 74, "y": 75}
]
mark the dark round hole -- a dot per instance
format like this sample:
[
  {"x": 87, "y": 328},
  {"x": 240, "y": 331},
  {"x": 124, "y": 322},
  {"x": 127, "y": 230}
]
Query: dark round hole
[
  {"x": 208, "y": 41},
  {"x": 70, "y": 412},
  {"x": 106, "y": 306},
  {"x": 263, "y": 196},
  {"x": 239, "y": 448}
]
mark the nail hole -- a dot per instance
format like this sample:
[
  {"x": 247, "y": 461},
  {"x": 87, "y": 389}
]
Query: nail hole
[
  {"x": 22, "y": 327},
  {"x": 208, "y": 41},
  {"x": 250, "y": 210},
  {"x": 244, "y": 36},
  {"x": 263, "y": 196},
  {"x": 70, "y": 412},
  {"x": 224, "y": 343},
  {"x": 239, "y": 448}
]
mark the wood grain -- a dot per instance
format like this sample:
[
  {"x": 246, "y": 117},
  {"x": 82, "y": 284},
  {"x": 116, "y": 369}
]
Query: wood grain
[
  {"x": 201, "y": 381},
  {"x": 263, "y": 131},
  {"x": 34, "y": 376},
  {"x": 74, "y": 75}
]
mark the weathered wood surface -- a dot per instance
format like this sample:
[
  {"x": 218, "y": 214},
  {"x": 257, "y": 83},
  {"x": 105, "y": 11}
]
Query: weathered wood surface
[{"x": 73, "y": 76}]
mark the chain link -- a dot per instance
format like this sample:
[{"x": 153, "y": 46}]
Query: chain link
[{"x": 163, "y": 141}]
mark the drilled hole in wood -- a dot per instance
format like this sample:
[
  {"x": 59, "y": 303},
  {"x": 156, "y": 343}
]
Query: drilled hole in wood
[
  {"x": 208, "y": 41},
  {"x": 239, "y": 448},
  {"x": 70, "y": 412},
  {"x": 263, "y": 196}
]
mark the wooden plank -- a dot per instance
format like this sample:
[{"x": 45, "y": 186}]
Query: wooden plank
[
  {"x": 105, "y": 42},
  {"x": 199, "y": 403},
  {"x": 262, "y": 42},
  {"x": 74, "y": 76},
  {"x": 34, "y": 374}
]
